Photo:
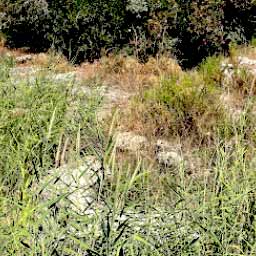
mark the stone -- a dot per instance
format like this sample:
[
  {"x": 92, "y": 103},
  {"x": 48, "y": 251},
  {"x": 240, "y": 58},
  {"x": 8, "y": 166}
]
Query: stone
[
  {"x": 64, "y": 77},
  {"x": 128, "y": 141},
  {"x": 31, "y": 74},
  {"x": 248, "y": 64},
  {"x": 116, "y": 95},
  {"x": 167, "y": 154},
  {"x": 24, "y": 71},
  {"x": 244, "y": 61},
  {"x": 78, "y": 186},
  {"x": 23, "y": 59},
  {"x": 111, "y": 97},
  {"x": 229, "y": 70},
  {"x": 25, "y": 74}
]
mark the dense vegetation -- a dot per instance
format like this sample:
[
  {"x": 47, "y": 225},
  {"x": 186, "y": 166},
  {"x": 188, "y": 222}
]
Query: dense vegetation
[
  {"x": 144, "y": 210},
  {"x": 203, "y": 204},
  {"x": 84, "y": 30}
]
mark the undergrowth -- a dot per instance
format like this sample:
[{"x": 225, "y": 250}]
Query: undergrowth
[
  {"x": 184, "y": 105},
  {"x": 142, "y": 211}
]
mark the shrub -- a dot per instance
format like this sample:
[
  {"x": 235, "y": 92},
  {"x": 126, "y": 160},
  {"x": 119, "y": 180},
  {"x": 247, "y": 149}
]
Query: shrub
[
  {"x": 152, "y": 26},
  {"x": 26, "y": 23},
  {"x": 84, "y": 29},
  {"x": 200, "y": 29},
  {"x": 239, "y": 17},
  {"x": 34, "y": 121},
  {"x": 183, "y": 106},
  {"x": 81, "y": 30},
  {"x": 208, "y": 27},
  {"x": 210, "y": 69}
]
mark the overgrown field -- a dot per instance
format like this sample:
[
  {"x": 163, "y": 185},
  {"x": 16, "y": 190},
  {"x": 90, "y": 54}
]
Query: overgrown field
[{"x": 142, "y": 207}]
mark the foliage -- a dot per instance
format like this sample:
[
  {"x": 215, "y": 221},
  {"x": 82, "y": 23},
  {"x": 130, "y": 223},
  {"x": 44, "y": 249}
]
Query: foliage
[
  {"x": 208, "y": 27},
  {"x": 142, "y": 211},
  {"x": 186, "y": 103},
  {"x": 152, "y": 27},
  {"x": 26, "y": 23},
  {"x": 41, "y": 108},
  {"x": 82, "y": 29},
  {"x": 85, "y": 29},
  {"x": 210, "y": 69}
]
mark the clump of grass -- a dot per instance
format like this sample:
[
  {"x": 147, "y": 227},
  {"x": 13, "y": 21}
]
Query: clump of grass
[
  {"x": 240, "y": 50},
  {"x": 6, "y": 64},
  {"x": 211, "y": 72},
  {"x": 52, "y": 60},
  {"x": 214, "y": 217},
  {"x": 39, "y": 122},
  {"x": 34, "y": 118},
  {"x": 129, "y": 74},
  {"x": 253, "y": 42},
  {"x": 183, "y": 106},
  {"x": 2, "y": 40}
]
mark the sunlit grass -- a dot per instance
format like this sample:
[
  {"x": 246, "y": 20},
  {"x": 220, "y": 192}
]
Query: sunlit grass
[{"x": 141, "y": 210}]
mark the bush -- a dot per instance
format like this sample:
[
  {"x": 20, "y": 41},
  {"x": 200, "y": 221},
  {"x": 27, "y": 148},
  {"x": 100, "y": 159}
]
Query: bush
[
  {"x": 239, "y": 17},
  {"x": 183, "y": 106},
  {"x": 34, "y": 120},
  {"x": 152, "y": 27},
  {"x": 200, "y": 29},
  {"x": 84, "y": 29},
  {"x": 210, "y": 69},
  {"x": 208, "y": 27},
  {"x": 26, "y": 23},
  {"x": 81, "y": 30}
]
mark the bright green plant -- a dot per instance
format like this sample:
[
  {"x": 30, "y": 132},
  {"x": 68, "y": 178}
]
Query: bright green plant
[{"x": 188, "y": 103}]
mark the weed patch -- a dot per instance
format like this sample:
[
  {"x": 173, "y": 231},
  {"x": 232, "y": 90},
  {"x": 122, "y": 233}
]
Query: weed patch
[{"x": 181, "y": 106}]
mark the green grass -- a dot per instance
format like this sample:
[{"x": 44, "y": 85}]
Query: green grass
[
  {"x": 142, "y": 211},
  {"x": 185, "y": 106}
]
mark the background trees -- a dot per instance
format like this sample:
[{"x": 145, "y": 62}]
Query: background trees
[{"x": 84, "y": 29}]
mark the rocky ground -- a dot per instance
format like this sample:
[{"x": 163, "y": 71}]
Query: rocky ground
[{"x": 82, "y": 183}]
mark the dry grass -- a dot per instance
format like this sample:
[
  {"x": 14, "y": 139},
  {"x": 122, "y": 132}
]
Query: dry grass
[
  {"x": 2, "y": 41},
  {"x": 211, "y": 216},
  {"x": 150, "y": 115},
  {"x": 127, "y": 73},
  {"x": 51, "y": 60},
  {"x": 184, "y": 107},
  {"x": 123, "y": 72},
  {"x": 248, "y": 51},
  {"x": 12, "y": 52}
]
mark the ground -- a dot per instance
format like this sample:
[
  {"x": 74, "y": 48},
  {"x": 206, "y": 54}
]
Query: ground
[{"x": 122, "y": 158}]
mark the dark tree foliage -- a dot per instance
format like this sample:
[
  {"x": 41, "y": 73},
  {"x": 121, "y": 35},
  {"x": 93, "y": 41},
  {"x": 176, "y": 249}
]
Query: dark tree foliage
[
  {"x": 26, "y": 23},
  {"x": 82, "y": 29},
  {"x": 206, "y": 27},
  {"x": 152, "y": 26},
  {"x": 86, "y": 29}
]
